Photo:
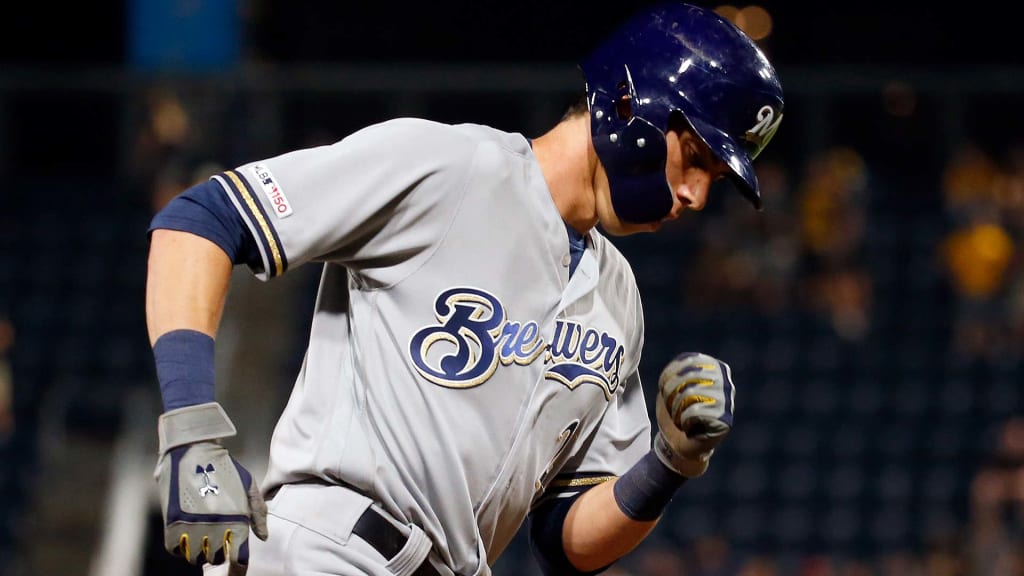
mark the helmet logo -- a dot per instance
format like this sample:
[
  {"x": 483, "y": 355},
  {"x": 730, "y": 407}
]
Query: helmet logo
[{"x": 763, "y": 131}]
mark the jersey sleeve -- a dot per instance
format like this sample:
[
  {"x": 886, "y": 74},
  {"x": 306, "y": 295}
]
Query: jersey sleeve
[{"x": 378, "y": 198}]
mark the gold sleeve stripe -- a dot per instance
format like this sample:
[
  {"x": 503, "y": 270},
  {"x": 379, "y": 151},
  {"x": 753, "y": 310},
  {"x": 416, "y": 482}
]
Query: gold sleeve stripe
[{"x": 254, "y": 208}]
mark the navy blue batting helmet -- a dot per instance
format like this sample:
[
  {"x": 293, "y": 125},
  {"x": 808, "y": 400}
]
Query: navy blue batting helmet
[{"x": 671, "y": 58}]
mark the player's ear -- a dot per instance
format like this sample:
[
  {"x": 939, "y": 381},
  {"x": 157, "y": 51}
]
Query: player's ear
[{"x": 624, "y": 104}]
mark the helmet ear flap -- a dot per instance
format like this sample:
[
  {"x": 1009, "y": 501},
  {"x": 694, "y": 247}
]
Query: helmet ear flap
[{"x": 634, "y": 160}]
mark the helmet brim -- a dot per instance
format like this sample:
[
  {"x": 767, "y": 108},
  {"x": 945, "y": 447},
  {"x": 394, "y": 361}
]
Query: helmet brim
[{"x": 725, "y": 148}]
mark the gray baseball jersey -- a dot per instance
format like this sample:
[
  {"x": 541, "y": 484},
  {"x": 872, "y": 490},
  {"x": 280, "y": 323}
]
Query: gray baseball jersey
[{"x": 454, "y": 371}]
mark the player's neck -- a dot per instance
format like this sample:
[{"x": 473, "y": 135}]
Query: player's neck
[{"x": 567, "y": 161}]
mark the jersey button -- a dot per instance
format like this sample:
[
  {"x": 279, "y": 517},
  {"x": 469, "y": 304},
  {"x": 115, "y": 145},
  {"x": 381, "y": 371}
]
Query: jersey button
[{"x": 566, "y": 259}]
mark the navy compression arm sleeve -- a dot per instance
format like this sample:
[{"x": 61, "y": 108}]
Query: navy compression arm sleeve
[
  {"x": 546, "y": 524},
  {"x": 205, "y": 210}
]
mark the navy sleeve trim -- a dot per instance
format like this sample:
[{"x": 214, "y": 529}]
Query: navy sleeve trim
[
  {"x": 206, "y": 211},
  {"x": 249, "y": 206}
]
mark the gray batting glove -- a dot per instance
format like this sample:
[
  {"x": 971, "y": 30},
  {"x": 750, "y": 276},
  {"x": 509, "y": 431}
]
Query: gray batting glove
[
  {"x": 209, "y": 501},
  {"x": 694, "y": 410}
]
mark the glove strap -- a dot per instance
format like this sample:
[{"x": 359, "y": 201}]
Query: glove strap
[
  {"x": 193, "y": 424},
  {"x": 689, "y": 467}
]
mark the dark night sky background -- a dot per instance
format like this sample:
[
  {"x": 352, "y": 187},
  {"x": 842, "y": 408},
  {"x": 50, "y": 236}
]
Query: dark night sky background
[
  {"x": 901, "y": 36},
  {"x": 806, "y": 34}
]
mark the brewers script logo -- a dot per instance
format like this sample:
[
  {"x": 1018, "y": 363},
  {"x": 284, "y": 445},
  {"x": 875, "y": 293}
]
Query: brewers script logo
[{"x": 472, "y": 336}]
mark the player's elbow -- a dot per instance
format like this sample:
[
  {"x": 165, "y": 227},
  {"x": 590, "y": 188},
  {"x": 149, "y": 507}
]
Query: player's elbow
[{"x": 546, "y": 531}]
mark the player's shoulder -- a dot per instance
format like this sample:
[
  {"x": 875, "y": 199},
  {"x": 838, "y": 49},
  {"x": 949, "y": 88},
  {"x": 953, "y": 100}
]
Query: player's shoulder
[
  {"x": 437, "y": 142},
  {"x": 426, "y": 132},
  {"x": 413, "y": 132}
]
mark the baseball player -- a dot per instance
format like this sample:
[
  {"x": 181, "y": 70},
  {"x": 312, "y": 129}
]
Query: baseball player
[{"x": 473, "y": 358}]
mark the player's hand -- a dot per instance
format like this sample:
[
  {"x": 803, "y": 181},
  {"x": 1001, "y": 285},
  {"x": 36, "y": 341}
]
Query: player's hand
[
  {"x": 210, "y": 503},
  {"x": 694, "y": 411}
]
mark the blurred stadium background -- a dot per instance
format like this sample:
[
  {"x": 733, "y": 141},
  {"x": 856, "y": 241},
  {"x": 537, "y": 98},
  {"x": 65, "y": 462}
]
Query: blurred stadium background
[{"x": 873, "y": 313}]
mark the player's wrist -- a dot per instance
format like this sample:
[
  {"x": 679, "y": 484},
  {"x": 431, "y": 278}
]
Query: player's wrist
[
  {"x": 689, "y": 467},
  {"x": 184, "y": 368},
  {"x": 643, "y": 492}
]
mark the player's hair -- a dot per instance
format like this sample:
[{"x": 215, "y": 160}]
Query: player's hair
[{"x": 577, "y": 106}]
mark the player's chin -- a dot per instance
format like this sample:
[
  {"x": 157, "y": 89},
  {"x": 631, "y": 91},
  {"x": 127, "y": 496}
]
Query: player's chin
[
  {"x": 641, "y": 228},
  {"x": 615, "y": 226},
  {"x": 629, "y": 228}
]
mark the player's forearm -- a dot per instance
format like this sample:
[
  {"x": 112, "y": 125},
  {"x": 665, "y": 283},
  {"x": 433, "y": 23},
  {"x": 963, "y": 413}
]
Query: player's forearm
[
  {"x": 596, "y": 531},
  {"x": 186, "y": 283}
]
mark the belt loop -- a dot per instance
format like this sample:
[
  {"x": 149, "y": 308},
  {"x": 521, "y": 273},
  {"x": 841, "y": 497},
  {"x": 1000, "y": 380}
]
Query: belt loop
[{"x": 412, "y": 555}]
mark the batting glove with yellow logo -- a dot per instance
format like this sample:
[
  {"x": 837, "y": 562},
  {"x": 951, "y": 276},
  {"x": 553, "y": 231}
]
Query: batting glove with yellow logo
[{"x": 694, "y": 410}]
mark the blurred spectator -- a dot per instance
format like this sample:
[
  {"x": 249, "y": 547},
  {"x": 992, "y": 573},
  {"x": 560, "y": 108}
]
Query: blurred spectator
[
  {"x": 6, "y": 380},
  {"x": 997, "y": 506},
  {"x": 161, "y": 140},
  {"x": 944, "y": 556},
  {"x": 1010, "y": 564},
  {"x": 900, "y": 563},
  {"x": 977, "y": 258},
  {"x": 659, "y": 560},
  {"x": 856, "y": 567},
  {"x": 712, "y": 556},
  {"x": 968, "y": 180},
  {"x": 833, "y": 217},
  {"x": 943, "y": 563},
  {"x": 777, "y": 240},
  {"x": 833, "y": 205},
  {"x": 977, "y": 254},
  {"x": 760, "y": 566},
  {"x": 1009, "y": 192},
  {"x": 1009, "y": 188},
  {"x": 817, "y": 566},
  {"x": 755, "y": 270},
  {"x": 845, "y": 294}
]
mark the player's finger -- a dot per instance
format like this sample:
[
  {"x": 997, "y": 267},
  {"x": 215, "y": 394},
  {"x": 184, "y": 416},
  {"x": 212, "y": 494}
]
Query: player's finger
[
  {"x": 239, "y": 558},
  {"x": 704, "y": 428},
  {"x": 693, "y": 405},
  {"x": 259, "y": 518},
  {"x": 235, "y": 552},
  {"x": 183, "y": 548},
  {"x": 229, "y": 549},
  {"x": 672, "y": 393},
  {"x": 237, "y": 569},
  {"x": 204, "y": 551},
  {"x": 191, "y": 549},
  {"x": 218, "y": 557}
]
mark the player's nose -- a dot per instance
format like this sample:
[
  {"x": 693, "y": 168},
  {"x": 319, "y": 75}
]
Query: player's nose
[{"x": 692, "y": 197}]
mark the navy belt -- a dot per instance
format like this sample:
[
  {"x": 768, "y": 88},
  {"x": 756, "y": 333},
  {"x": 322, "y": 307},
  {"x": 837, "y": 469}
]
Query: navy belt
[{"x": 388, "y": 540}]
